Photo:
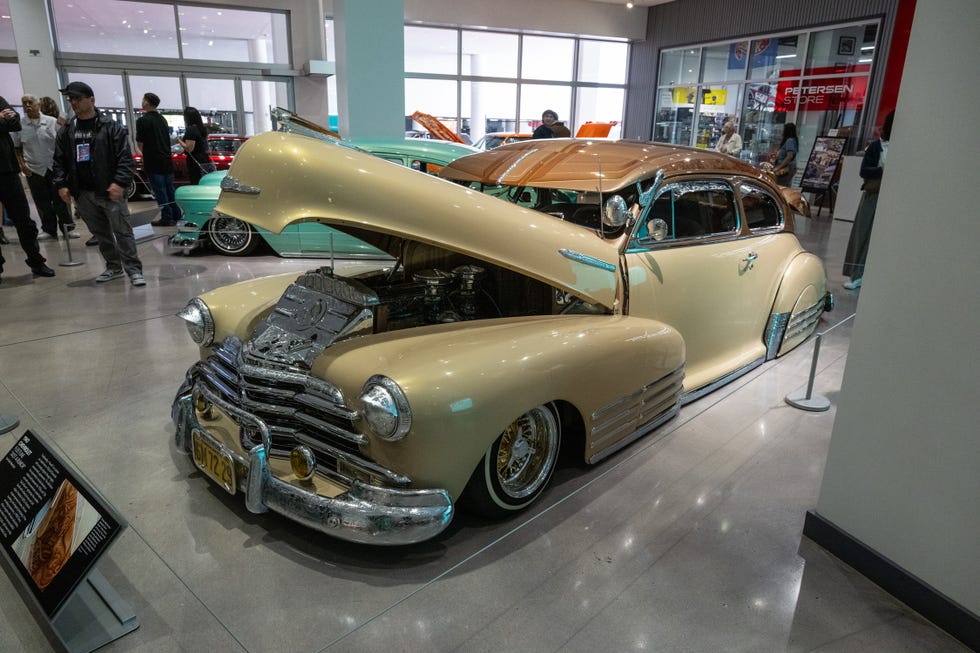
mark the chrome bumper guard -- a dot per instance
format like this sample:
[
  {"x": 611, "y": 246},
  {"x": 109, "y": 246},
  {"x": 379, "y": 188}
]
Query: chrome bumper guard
[
  {"x": 182, "y": 242},
  {"x": 365, "y": 513}
]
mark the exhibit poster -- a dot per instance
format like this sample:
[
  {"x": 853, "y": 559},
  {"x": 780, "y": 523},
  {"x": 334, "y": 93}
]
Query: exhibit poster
[
  {"x": 53, "y": 525},
  {"x": 822, "y": 166}
]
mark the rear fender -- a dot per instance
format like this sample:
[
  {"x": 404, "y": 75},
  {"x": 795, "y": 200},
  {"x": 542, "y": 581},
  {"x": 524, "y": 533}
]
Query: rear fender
[{"x": 800, "y": 301}]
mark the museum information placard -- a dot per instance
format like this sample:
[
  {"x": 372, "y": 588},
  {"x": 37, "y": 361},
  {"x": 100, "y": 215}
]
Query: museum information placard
[{"x": 53, "y": 525}]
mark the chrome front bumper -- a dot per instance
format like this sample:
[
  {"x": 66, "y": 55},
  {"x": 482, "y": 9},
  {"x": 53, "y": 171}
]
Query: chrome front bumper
[{"x": 365, "y": 513}]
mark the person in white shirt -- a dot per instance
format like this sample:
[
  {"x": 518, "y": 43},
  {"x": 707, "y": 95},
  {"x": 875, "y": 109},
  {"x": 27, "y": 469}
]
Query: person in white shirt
[
  {"x": 35, "y": 154},
  {"x": 730, "y": 142}
]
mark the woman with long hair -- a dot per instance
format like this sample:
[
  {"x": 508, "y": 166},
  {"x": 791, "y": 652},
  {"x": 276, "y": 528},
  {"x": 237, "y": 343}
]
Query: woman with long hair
[
  {"x": 195, "y": 144},
  {"x": 789, "y": 148}
]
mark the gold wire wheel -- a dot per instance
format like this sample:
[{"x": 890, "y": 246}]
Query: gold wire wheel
[{"x": 527, "y": 453}]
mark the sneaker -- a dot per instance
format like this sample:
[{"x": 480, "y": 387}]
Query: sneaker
[
  {"x": 108, "y": 275},
  {"x": 46, "y": 236},
  {"x": 73, "y": 235},
  {"x": 853, "y": 284},
  {"x": 41, "y": 270},
  {"x": 164, "y": 223},
  {"x": 137, "y": 279},
  {"x": 92, "y": 242}
]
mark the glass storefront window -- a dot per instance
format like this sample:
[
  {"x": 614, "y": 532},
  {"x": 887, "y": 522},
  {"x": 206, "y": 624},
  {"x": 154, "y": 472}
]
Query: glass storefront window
[
  {"x": 139, "y": 29},
  {"x": 675, "y": 115},
  {"x": 489, "y": 54},
  {"x": 215, "y": 99},
  {"x": 108, "y": 91},
  {"x": 756, "y": 125},
  {"x": 431, "y": 50},
  {"x": 724, "y": 63},
  {"x": 168, "y": 89},
  {"x": 11, "y": 84},
  {"x": 603, "y": 61},
  {"x": 680, "y": 66},
  {"x": 258, "y": 99},
  {"x": 488, "y": 107},
  {"x": 775, "y": 57},
  {"x": 221, "y": 34},
  {"x": 436, "y": 97},
  {"x": 843, "y": 50},
  {"x": 536, "y": 98},
  {"x": 6, "y": 29},
  {"x": 824, "y": 93},
  {"x": 599, "y": 105},
  {"x": 718, "y": 104},
  {"x": 545, "y": 57}
]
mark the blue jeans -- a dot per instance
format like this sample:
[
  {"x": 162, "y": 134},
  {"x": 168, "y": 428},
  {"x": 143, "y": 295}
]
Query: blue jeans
[{"x": 163, "y": 192}]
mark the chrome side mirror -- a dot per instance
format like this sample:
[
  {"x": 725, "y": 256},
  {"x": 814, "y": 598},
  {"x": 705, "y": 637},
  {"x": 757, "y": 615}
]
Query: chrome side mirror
[
  {"x": 657, "y": 228},
  {"x": 615, "y": 213}
]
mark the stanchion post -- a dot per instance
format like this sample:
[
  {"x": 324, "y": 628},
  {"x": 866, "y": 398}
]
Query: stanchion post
[{"x": 70, "y": 262}]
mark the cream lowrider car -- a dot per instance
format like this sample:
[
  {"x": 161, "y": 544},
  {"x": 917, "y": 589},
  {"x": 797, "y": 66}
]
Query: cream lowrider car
[{"x": 550, "y": 294}]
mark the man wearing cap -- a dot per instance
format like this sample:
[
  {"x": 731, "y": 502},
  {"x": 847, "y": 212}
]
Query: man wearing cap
[
  {"x": 153, "y": 140},
  {"x": 93, "y": 164},
  {"x": 12, "y": 195}
]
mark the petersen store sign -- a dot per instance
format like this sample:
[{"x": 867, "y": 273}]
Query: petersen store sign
[{"x": 824, "y": 94}]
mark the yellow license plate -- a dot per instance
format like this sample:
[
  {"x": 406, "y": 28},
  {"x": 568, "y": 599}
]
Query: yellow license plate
[{"x": 214, "y": 462}]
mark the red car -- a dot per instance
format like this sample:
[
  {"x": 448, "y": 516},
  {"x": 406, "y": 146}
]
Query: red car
[{"x": 222, "y": 147}]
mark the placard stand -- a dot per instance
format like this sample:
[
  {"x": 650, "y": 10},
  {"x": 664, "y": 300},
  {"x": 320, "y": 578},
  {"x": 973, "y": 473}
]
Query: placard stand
[
  {"x": 8, "y": 422},
  {"x": 54, "y": 528},
  {"x": 93, "y": 616}
]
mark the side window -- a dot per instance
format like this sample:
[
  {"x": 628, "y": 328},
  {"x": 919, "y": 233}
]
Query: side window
[
  {"x": 691, "y": 210},
  {"x": 761, "y": 209}
]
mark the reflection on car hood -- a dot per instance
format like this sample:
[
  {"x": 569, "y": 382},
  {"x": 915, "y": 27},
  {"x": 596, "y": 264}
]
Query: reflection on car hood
[
  {"x": 300, "y": 179},
  {"x": 585, "y": 165}
]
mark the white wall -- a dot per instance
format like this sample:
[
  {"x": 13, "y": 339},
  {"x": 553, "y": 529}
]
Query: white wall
[{"x": 903, "y": 471}]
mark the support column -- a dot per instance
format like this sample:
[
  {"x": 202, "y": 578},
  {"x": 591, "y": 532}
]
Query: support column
[
  {"x": 33, "y": 28},
  {"x": 370, "y": 68}
]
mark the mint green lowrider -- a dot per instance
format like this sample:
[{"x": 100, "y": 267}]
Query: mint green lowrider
[{"x": 233, "y": 237}]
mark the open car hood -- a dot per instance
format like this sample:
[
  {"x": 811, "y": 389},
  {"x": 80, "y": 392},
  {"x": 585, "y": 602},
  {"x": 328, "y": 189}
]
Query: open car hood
[{"x": 278, "y": 179}]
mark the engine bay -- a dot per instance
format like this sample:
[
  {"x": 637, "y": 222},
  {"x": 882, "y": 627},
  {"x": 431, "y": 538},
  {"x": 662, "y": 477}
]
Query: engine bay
[{"x": 426, "y": 285}]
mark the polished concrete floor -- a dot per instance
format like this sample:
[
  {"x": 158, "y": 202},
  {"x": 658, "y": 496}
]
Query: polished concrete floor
[{"x": 689, "y": 540}]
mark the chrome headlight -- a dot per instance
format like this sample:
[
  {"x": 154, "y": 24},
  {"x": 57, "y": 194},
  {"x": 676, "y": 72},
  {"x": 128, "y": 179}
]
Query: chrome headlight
[
  {"x": 385, "y": 408},
  {"x": 197, "y": 316}
]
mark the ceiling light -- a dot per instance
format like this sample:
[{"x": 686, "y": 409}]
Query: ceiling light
[{"x": 629, "y": 5}]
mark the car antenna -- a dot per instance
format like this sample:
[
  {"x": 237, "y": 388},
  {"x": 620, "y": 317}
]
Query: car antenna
[{"x": 602, "y": 224}]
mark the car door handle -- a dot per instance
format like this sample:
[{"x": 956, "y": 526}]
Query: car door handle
[{"x": 751, "y": 257}]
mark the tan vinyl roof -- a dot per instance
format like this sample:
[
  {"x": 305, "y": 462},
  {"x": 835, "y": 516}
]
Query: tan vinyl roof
[{"x": 578, "y": 164}]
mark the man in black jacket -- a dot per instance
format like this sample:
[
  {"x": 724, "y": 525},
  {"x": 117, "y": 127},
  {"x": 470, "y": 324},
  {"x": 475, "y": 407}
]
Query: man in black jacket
[
  {"x": 12, "y": 194},
  {"x": 93, "y": 164}
]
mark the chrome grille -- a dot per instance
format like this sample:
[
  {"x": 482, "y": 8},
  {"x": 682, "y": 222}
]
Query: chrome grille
[{"x": 297, "y": 407}]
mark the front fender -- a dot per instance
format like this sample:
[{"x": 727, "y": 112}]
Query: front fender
[{"x": 467, "y": 381}]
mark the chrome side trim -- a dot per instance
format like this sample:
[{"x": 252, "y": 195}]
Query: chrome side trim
[
  {"x": 234, "y": 185},
  {"x": 804, "y": 320},
  {"x": 578, "y": 257},
  {"x": 775, "y": 331},
  {"x": 365, "y": 513},
  {"x": 637, "y": 414},
  {"x": 728, "y": 378}
]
